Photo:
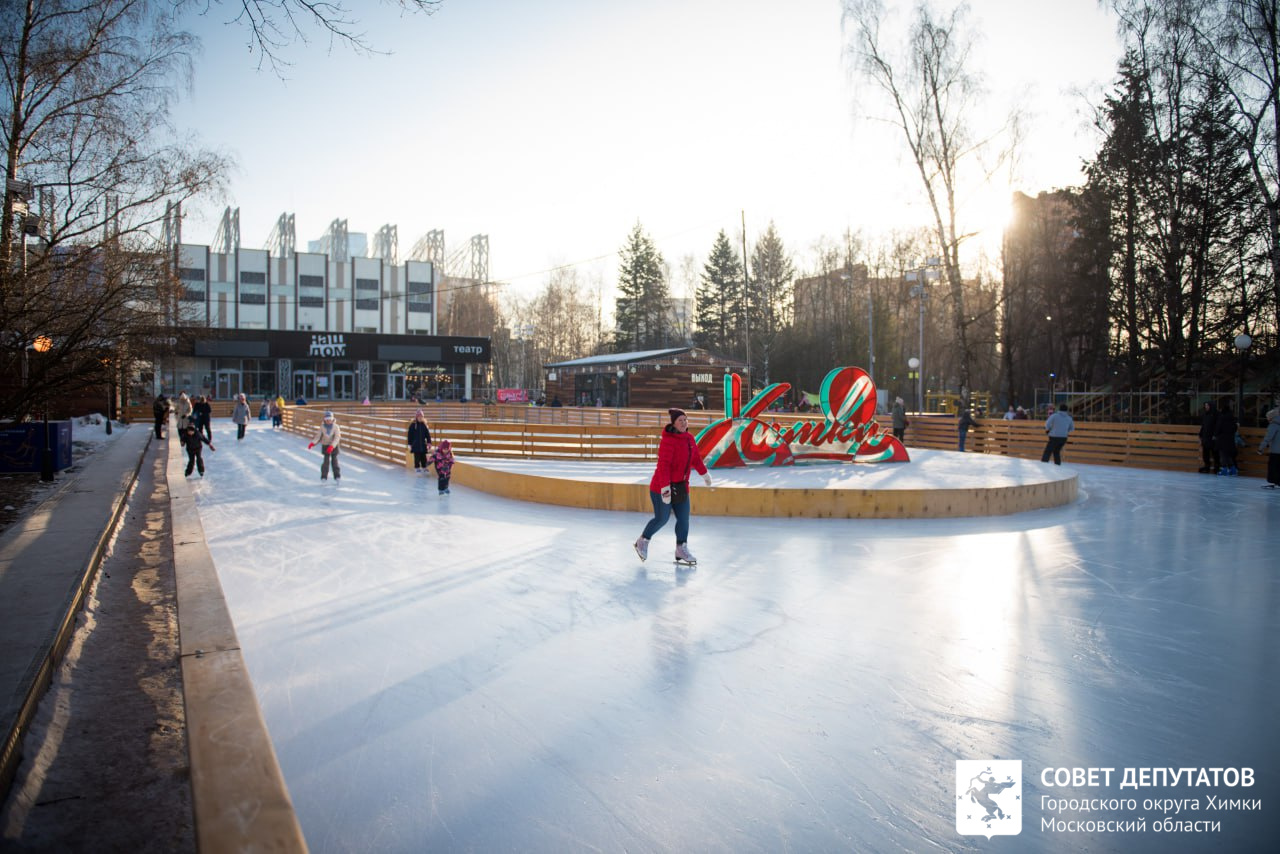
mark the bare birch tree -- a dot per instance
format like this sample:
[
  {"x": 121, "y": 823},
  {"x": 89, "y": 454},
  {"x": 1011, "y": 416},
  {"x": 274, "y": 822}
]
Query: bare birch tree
[
  {"x": 1243, "y": 37},
  {"x": 91, "y": 166},
  {"x": 932, "y": 94},
  {"x": 272, "y": 26}
]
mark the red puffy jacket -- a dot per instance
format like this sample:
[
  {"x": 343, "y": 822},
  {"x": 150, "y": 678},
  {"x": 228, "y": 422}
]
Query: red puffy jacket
[{"x": 677, "y": 453}]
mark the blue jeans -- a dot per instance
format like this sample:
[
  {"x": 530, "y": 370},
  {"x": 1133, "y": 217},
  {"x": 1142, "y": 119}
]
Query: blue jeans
[
  {"x": 964, "y": 434},
  {"x": 662, "y": 512}
]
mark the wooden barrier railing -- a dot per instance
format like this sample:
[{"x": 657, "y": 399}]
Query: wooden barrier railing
[
  {"x": 560, "y": 433},
  {"x": 1173, "y": 447},
  {"x": 382, "y": 436},
  {"x": 629, "y": 434}
]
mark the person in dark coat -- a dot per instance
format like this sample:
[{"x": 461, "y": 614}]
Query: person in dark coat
[
  {"x": 964, "y": 423},
  {"x": 1208, "y": 444},
  {"x": 419, "y": 442},
  {"x": 160, "y": 409},
  {"x": 202, "y": 416},
  {"x": 192, "y": 441},
  {"x": 899, "y": 417},
  {"x": 1224, "y": 436}
]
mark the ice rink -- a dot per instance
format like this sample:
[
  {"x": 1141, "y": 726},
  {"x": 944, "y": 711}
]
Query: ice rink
[{"x": 470, "y": 673}]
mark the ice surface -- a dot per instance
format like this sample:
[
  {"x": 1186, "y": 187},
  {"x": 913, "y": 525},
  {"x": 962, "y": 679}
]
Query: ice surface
[{"x": 465, "y": 672}]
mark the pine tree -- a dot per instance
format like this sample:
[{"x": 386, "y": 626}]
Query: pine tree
[
  {"x": 719, "y": 300},
  {"x": 771, "y": 289},
  {"x": 641, "y": 308},
  {"x": 1117, "y": 182}
]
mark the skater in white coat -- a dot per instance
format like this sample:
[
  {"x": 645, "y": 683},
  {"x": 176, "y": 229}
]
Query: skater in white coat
[
  {"x": 669, "y": 486},
  {"x": 328, "y": 438}
]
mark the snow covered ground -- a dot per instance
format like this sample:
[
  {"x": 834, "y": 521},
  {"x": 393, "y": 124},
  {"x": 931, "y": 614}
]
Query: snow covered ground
[{"x": 470, "y": 673}]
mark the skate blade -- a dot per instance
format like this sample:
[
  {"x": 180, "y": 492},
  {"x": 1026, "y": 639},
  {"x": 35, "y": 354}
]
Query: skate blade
[{"x": 679, "y": 562}]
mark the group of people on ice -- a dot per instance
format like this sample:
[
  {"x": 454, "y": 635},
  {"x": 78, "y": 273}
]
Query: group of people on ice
[
  {"x": 419, "y": 442},
  {"x": 194, "y": 431}
]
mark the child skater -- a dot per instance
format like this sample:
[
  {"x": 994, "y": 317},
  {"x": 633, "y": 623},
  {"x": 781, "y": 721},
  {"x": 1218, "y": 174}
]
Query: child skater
[
  {"x": 192, "y": 439},
  {"x": 328, "y": 438},
  {"x": 443, "y": 458},
  {"x": 419, "y": 441}
]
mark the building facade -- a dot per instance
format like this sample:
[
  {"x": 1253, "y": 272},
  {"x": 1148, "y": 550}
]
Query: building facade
[
  {"x": 304, "y": 326},
  {"x": 649, "y": 379}
]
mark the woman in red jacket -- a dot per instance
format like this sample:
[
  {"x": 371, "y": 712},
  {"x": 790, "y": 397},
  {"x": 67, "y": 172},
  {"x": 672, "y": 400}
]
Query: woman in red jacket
[{"x": 669, "y": 487}]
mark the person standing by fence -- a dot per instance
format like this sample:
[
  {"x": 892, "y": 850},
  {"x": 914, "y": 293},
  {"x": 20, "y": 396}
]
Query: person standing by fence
[
  {"x": 1224, "y": 436},
  {"x": 899, "y": 418},
  {"x": 1208, "y": 445},
  {"x": 962, "y": 426},
  {"x": 419, "y": 442},
  {"x": 1271, "y": 442},
  {"x": 160, "y": 409},
  {"x": 1058, "y": 425}
]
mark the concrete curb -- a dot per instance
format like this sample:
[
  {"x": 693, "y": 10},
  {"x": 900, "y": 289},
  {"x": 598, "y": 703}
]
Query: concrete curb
[{"x": 239, "y": 796}]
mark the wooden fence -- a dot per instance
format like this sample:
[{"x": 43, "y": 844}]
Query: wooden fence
[
  {"x": 382, "y": 435},
  {"x": 1173, "y": 447},
  {"x": 630, "y": 435}
]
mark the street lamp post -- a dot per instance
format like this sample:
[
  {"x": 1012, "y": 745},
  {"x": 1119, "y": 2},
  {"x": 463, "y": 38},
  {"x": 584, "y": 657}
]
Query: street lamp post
[
  {"x": 41, "y": 345},
  {"x": 1048, "y": 319},
  {"x": 921, "y": 275},
  {"x": 106, "y": 363},
  {"x": 914, "y": 364},
  {"x": 1242, "y": 342}
]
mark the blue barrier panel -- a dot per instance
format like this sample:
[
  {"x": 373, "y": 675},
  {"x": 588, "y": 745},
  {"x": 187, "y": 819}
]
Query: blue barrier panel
[{"x": 21, "y": 446}]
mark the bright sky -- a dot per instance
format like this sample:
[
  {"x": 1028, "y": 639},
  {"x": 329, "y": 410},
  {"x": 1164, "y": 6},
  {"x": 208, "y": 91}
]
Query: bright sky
[{"x": 553, "y": 127}]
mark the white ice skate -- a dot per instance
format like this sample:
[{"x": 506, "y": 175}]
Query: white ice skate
[
  {"x": 642, "y": 548},
  {"x": 685, "y": 557}
]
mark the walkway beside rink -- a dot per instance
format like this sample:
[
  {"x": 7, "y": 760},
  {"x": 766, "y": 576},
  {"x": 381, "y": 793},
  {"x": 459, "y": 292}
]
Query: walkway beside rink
[{"x": 472, "y": 672}]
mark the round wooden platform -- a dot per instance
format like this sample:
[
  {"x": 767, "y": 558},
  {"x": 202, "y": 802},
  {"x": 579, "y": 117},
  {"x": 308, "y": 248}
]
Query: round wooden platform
[{"x": 935, "y": 484}]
